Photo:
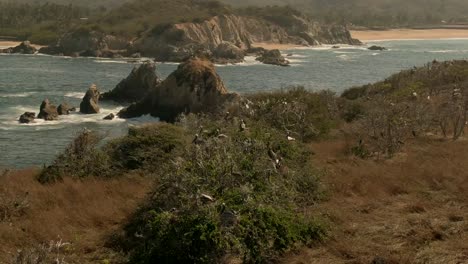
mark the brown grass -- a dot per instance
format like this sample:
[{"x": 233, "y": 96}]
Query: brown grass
[
  {"x": 83, "y": 213},
  {"x": 411, "y": 209}
]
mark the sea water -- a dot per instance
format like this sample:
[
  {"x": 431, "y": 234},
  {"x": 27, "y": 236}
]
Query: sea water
[{"x": 25, "y": 80}]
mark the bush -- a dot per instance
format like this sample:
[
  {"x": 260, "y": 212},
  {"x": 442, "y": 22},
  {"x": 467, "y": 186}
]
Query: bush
[
  {"x": 230, "y": 193},
  {"x": 297, "y": 112},
  {"x": 80, "y": 159}
]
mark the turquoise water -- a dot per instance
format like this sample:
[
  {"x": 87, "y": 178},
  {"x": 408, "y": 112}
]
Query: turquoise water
[{"x": 25, "y": 80}]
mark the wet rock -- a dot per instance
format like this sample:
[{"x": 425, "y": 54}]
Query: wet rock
[
  {"x": 273, "y": 57},
  {"x": 48, "y": 111},
  {"x": 377, "y": 48},
  {"x": 65, "y": 109},
  {"x": 52, "y": 50},
  {"x": 194, "y": 87},
  {"x": 110, "y": 116},
  {"x": 229, "y": 52},
  {"x": 27, "y": 117},
  {"x": 24, "y": 48},
  {"x": 141, "y": 80},
  {"x": 90, "y": 102}
]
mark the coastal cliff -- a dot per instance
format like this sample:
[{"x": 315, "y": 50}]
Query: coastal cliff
[
  {"x": 176, "y": 42},
  {"x": 222, "y": 38}
]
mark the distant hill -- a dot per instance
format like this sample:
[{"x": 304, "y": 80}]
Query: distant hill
[
  {"x": 84, "y": 3},
  {"x": 386, "y": 13}
]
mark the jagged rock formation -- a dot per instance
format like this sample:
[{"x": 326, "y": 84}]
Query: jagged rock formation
[
  {"x": 193, "y": 88},
  {"x": 48, "y": 111},
  {"x": 88, "y": 44},
  {"x": 65, "y": 109},
  {"x": 273, "y": 57},
  {"x": 141, "y": 80},
  {"x": 176, "y": 42},
  {"x": 24, "y": 48},
  {"x": 90, "y": 103},
  {"x": 27, "y": 117}
]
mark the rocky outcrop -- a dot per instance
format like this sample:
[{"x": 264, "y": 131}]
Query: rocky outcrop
[
  {"x": 47, "y": 111},
  {"x": 65, "y": 109},
  {"x": 141, "y": 80},
  {"x": 87, "y": 43},
  {"x": 90, "y": 102},
  {"x": 24, "y": 48},
  {"x": 176, "y": 42},
  {"x": 27, "y": 117},
  {"x": 273, "y": 57},
  {"x": 377, "y": 48},
  {"x": 227, "y": 52},
  {"x": 193, "y": 88},
  {"x": 110, "y": 116}
]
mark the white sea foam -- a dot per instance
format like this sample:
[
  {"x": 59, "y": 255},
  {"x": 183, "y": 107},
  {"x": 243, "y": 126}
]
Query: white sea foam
[
  {"x": 78, "y": 95},
  {"x": 9, "y": 95},
  {"x": 73, "y": 118},
  {"x": 114, "y": 61}
]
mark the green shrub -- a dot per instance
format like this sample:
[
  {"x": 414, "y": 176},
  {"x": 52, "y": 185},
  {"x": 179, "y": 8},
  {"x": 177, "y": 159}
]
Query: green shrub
[
  {"x": 297, "y": 112},
  {"x": 80, "y": 159},
  {"x": 226, "y": 196}
]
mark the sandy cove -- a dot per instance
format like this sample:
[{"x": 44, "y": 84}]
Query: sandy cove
[{"x": 400, "y": 34}]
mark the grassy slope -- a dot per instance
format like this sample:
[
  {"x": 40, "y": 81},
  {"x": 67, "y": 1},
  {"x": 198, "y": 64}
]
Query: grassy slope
[{"x": 409, "y": 209}]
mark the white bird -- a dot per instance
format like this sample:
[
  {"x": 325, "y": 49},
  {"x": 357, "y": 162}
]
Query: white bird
[{"x": 291, "y": 138}]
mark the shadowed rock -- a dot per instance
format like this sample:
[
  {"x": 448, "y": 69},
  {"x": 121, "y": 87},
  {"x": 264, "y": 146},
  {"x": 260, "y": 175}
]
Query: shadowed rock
[
  {"x": 90, "y": 103},
  {"x": 27, "y": 117},
  {"x": 48, "y": 111},
  {"x": 228, "y": 53},
  {"x": 65, "y": 109},
  {"x": 110, "y": 116},
  {"x": 273, "y": 57},
  {"x": 193, "y": 88},
  {"x": 378, "y": 48},
  {"x": 141, "y": 80},
  {"x": 24, "y": 48}
]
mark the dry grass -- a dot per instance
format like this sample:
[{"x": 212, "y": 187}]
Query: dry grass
[
  {"x": 83, "y": 213},
  {"x": 410, "y": 209}
]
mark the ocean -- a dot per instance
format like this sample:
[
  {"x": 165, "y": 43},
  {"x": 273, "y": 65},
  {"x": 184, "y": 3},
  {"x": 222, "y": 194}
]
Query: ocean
[{"x": 25, "y": 80}]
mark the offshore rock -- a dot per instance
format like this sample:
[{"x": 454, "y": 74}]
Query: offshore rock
[
  {"x": 194, "y": 87},
  {"x": 27, "y": 117},
  {"x": 47, "y": 111},
  {"x": 273, "y": 57},
  {"x": 141, "y": 80},
  {"x": 90, "y": 102}
]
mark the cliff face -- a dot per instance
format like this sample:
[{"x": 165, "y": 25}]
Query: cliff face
[
  {"x": 175, "y": 42},
  {"x": 87, "y": 43}
]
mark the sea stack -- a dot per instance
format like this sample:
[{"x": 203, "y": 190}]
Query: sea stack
[
  {"x": 194, "y": 87},
  {"x": 141, "y": 80},
  {"x": 48, "y": 111},
  {"x": 90, "y": 102}
]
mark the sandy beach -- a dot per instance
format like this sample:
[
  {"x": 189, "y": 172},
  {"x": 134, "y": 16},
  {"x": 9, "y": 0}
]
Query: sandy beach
[
  {"x": 7, "y": 44},
  {"x": 395, "y": 34}
]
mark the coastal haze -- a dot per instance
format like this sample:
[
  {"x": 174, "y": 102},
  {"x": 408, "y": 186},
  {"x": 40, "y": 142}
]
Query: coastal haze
[{"x": 233, "y": 131}]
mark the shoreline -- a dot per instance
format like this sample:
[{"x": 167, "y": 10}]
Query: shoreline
[
  {"x": 5, "y": 44},
  {"x": 271, "y": 46},
  {"x": 409, "y": 34}
]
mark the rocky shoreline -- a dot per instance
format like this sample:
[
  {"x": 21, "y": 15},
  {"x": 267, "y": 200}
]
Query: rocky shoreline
[
  {"x": 223, "y": 39},
  {"x": 194, "y": 87}
]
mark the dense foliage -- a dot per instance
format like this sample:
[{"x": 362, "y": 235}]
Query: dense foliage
[
  {"x": 233, "y": 185},
  {"x": 40, "y": 23}
]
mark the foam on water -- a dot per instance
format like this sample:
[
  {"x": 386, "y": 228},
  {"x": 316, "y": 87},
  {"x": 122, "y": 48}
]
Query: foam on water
[
  {"x": 18, "y": 95},
  {"x": 78, "y": 95}
]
